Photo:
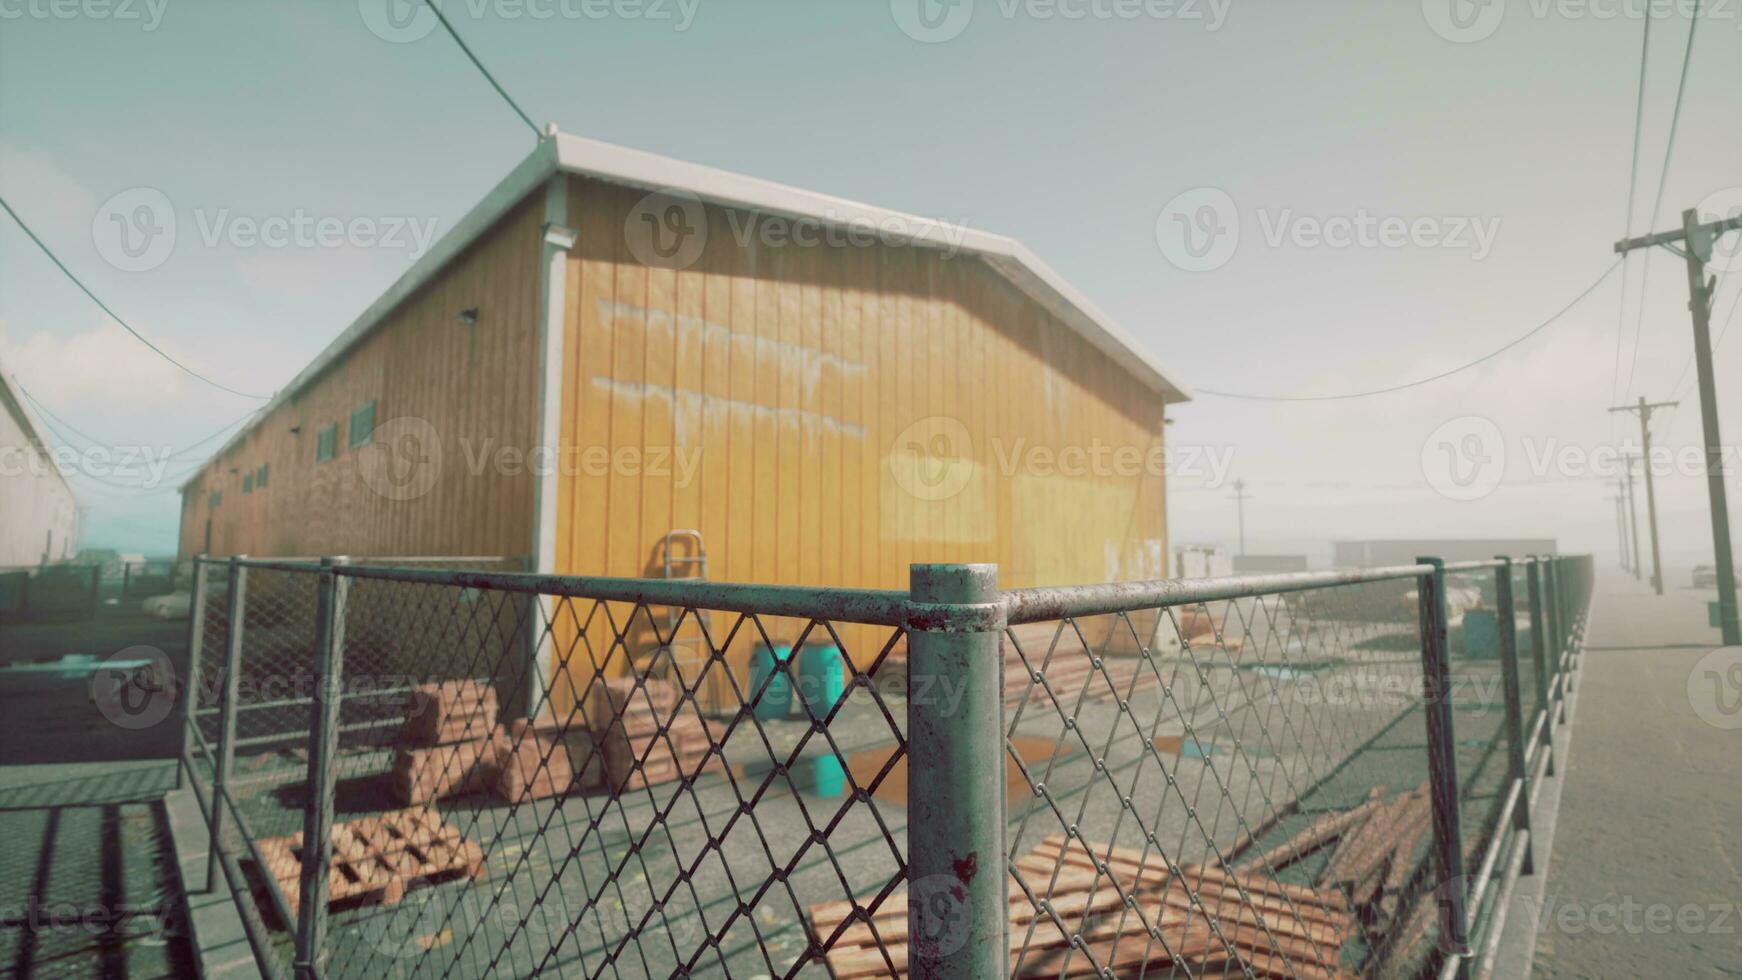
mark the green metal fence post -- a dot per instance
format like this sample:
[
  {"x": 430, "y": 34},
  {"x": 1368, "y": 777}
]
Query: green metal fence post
[
  {"x": 1507, "y": 611},
  {"x": 96, "y": 590},
  {"x": 1539, "y": 653},
  {"x": 958, "y": 893},
  {"x": 196, "y": 643},
  {"x": 317, "y": 824},
  {"x": 226, "y": 748},
  {"x": 1452, "y": 889}
]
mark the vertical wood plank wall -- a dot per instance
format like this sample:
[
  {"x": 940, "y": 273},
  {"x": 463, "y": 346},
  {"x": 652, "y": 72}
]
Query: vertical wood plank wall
[
  {"x": 775, "y": 397},
  {"x": 473, "y": 386}
]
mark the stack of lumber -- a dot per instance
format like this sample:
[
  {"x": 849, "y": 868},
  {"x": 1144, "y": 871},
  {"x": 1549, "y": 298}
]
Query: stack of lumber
[
  {"x": 1375, "y": 853},
  {"x": 375, "y": 859},
  {"x": 548, "y": 756},
  {"x": 448, "y": 746},
  {"x": 1263, "y": 926},
  {"x": 626, "y": 716}
]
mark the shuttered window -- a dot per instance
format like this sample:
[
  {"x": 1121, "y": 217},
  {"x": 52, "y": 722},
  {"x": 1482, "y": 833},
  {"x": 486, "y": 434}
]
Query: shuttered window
[
  {"x": 327, "y": 443},
  {"x": 362, "y": 424}
]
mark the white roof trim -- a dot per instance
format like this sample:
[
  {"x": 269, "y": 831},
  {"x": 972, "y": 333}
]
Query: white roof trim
[
  {"x": 33, "y": 428},
  {"x": 635, "y": 168}
]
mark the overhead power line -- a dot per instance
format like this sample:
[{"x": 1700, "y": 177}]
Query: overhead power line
[
  {"x": 69, "y": 427},
  {"x": 1632, "y": 194},
  {"x": 1662, "y": 184},
  {"x": 112, "y": 314},
  {"x": 484, "y": 71},
  {"x": 1533, "y": 331}
]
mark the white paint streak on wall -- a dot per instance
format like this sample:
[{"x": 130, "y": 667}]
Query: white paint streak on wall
[{"x": 697, "y": 401}]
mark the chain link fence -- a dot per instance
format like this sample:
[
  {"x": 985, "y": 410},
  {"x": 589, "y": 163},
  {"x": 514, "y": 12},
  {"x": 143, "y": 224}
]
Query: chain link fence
[{"x": 1312, "y": 775}]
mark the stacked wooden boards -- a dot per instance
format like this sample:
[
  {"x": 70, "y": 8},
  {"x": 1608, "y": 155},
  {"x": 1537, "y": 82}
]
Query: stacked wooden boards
[
  {"x": 448, "y": 746},
  {"x": 1123, "y": 911},
  {"x": 375, "y": 859},
  {"x": 1376, "y": 852},
  {"x": 614, "y": 743}
]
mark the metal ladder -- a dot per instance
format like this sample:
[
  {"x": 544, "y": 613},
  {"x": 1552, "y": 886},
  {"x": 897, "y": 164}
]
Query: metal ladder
[{"x": 716, "y": 687}]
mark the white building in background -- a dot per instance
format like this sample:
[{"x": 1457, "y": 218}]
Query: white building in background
[{"x": 38, "y": 514}]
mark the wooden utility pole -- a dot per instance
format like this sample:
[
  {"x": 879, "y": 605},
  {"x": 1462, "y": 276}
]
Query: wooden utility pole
[
  {"x": 1693, "y": 242},
  {"x": 1637, "y": 566},
  {"x": 1620, "y": 523},
  {"x": 1644, "y": 410},
  {"x": 1240, "y": 503}
]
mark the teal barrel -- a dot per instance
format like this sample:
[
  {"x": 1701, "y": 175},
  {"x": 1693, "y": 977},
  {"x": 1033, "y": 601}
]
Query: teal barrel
[
  {"x": 820, "y": 677},
  {"x": 828, "y": 778},
  {"x": 770, "y": 665},
  {"x": 1481, "y": 633}
]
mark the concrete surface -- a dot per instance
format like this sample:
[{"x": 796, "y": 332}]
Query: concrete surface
[{"x": 1645, "y": 874}]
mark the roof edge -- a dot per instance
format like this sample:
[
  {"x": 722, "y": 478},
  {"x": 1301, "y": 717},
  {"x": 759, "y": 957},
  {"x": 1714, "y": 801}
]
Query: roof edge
[{"x": 637, "y": 168}]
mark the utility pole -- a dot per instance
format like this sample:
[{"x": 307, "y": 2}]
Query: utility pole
[
  {"x": 1638, "y": 564},
  {"x": 1693, "y": 242},
  {"x": 1620, "y": 498},
  {"x": 1240, "y": 502},
  {"x": 1644, "y": 410},
  {"x": 1620, "y": 525}
]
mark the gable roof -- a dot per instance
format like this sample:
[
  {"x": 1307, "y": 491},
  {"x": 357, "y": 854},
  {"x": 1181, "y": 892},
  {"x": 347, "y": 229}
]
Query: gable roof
[{"x": 566, "y": 153}]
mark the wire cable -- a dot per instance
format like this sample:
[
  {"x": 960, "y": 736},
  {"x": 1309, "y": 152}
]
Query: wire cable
[
  {"x": 1662, "y": 184},
  {"x": 1533, "y": 331},
  {"x": 112, "y": 314},
  {"x": 484, "y": 71},
  {"x": 1632, "y": 194},
  {"x": 183, "y": 451}
]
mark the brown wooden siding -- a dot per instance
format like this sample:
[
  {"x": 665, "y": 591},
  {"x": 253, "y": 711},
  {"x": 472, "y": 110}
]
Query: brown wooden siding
[{"x": 474, "y": 386}]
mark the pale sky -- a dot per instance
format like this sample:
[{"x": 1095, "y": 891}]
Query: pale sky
[{"x": 1505, "y": 147}]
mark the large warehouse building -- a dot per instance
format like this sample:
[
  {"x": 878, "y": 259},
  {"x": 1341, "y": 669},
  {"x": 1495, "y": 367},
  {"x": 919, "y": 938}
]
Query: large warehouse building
[
  {"x": 38, "y": 513},
  {"x": 614, "y": 345}
]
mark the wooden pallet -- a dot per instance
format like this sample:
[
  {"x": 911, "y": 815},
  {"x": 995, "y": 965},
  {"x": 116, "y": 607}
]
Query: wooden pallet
[
  {"x": 375, "y": 859},
  {"x": 1272, "y": 929}
]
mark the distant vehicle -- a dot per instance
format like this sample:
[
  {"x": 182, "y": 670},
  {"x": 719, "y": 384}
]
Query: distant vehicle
[{"x": 1705, "y": 577}]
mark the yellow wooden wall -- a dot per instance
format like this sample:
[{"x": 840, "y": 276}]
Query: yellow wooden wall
[
  {"x": 476, "y": 387},
  {"x": 793, "y": 376}
]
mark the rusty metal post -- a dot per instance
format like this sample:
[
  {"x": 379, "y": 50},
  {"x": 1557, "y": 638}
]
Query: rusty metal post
[
  {"x": 1539, "y": 652},
  {"x": 1436, "y": 678},
  {"x": 317, "y": 824},
  {"x": 196, "y": 645},
  {"x": 958, "y": 896},
  {"x": 226, "y": 747},
  {"x": 1507, "y": 611}
]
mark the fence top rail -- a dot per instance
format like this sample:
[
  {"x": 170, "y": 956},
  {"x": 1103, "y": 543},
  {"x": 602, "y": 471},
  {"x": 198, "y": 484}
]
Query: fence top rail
[
  {"x": 878, "y": 607},
  {"x": 308, "y": 561},
  {"x": 1049, "y": 603}
]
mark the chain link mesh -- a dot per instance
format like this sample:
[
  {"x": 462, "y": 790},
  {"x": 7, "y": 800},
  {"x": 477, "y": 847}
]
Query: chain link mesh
[{"x": 532, "y": 783}]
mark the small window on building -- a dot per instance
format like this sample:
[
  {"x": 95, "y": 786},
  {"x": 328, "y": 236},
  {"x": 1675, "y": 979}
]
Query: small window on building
[
  {"x": 216, "y": 498},
  {"x": 363, "y": 424},
  {"x": 327, "y": 443},
  {"x": 247, "y": 483},
  {"x": 260, "y": 478}
]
